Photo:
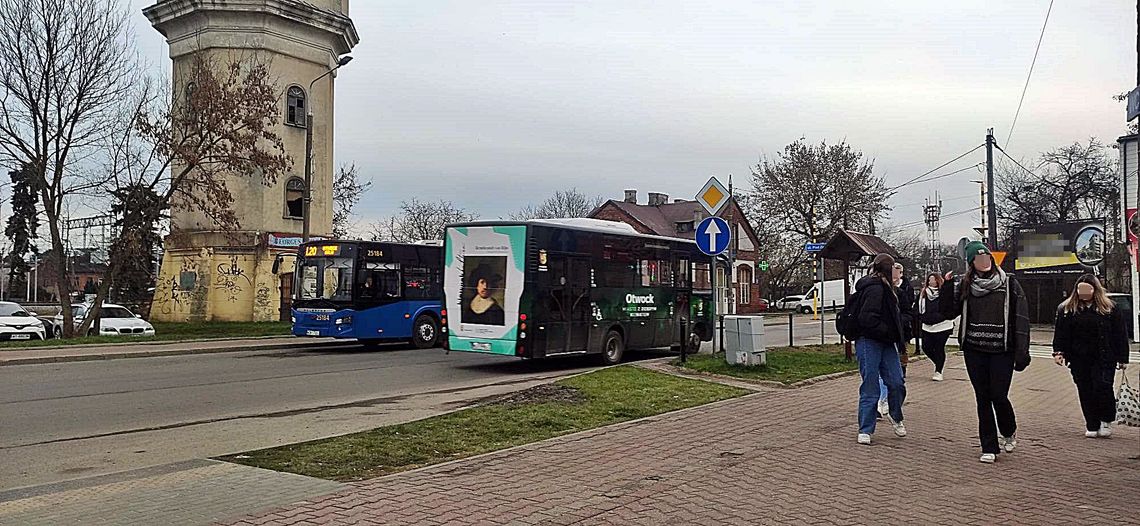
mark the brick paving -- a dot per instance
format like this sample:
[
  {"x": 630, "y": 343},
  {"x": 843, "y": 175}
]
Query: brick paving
[
  {"x": 194, "y": 492},
  {"x": 778, "y": 457}
]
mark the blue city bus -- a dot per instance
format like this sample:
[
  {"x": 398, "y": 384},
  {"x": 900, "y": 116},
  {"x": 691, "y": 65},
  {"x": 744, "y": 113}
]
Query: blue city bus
[{"x": 373, "y": 292}]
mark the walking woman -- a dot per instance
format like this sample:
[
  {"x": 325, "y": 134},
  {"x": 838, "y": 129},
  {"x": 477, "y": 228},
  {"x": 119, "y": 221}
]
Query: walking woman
[
  {"x": 881, "y": 335},
  {"x": 1090, "y": 337},
  {"x": 936, "y": 328},
  {"x": 994, "y": 337}
]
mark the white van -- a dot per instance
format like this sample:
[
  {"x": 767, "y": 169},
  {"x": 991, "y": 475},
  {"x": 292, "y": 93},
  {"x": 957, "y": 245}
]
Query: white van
[{"x": 833, "y": 294}]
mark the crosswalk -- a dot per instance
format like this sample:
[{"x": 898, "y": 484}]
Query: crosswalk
[{"x": 1045, "y": 351}]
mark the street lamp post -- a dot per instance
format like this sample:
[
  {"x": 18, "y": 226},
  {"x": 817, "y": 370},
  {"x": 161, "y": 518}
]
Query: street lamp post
[{"x": 308, "y": 196}]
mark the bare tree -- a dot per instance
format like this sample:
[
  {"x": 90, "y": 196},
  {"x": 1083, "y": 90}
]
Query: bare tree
[
  {"x": 1077, "y": 181},
  {"x": 564, "y": 203},
  {"x": 65, "y": 67},
  {"x": 347, "y": 191},
  {"x": 910, "y": 243},
  {"x": 420, "y": 221},
  {"x": 179, "y": 149},
  {"x": 814, "y": 190}
]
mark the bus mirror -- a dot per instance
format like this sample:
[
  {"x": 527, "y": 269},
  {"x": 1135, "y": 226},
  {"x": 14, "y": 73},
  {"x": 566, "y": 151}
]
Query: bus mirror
[{"x": 277, "y": 264}]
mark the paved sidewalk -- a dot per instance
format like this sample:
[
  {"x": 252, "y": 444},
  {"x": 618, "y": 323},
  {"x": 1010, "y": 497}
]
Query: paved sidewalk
[
  {"x": 160, "y": 494},
  {"x": 77, "y": 353},
  {"x": 778, "y": 457}
]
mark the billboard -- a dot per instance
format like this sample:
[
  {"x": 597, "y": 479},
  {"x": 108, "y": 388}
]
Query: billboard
[{"x": 1073, "y": 247}]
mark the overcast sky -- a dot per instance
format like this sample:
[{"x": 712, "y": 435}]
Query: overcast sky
[{"x": 494, "y": 105}]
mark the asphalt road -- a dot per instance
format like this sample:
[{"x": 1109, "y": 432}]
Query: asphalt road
[{"x": 70, "y": 420}]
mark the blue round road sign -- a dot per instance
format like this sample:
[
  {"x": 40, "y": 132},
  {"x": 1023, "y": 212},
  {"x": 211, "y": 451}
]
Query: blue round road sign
[{"x": 713, "y": 235}]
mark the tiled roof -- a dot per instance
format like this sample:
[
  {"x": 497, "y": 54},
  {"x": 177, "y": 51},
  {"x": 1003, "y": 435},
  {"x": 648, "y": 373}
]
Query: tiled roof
[{"x": 663, "y": 219}]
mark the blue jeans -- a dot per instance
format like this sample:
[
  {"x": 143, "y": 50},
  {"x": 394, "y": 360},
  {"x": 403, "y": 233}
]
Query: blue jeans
[{"x": 878, "y": 361}]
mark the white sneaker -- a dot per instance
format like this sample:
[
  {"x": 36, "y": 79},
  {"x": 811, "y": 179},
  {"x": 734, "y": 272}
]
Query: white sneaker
[
  {"x": 1009, "y": 443},
  {"x": 1105, "y": 430},
  {"x": 884, "y": 408},
  {"x": 937, "y": 377},
  {"x": 864, "y": 439},
  {"x": 988, "y": 458},
  {"x": 1092, "y": 434},
  {"x": 900, "y": 429}
]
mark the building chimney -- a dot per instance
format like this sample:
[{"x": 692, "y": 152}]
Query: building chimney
[
  {"x": 631, "y": 196},
  {"x": 657, "y": 199}
]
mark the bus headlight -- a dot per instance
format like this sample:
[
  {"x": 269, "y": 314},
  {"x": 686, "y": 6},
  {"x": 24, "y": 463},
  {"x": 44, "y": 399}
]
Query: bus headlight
[{"x": 293, "y": 319}]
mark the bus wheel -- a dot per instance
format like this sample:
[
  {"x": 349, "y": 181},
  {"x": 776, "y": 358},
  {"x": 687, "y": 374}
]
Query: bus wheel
[
  {"x": 694, "y": 343},
  {"x": 425, "y": 332},
  {"x": 613, "y": 348}
]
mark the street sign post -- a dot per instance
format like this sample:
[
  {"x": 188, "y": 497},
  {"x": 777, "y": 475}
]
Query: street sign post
[
  {"x": 713, "y": 196},
  {"x": 713, "y": 236}
]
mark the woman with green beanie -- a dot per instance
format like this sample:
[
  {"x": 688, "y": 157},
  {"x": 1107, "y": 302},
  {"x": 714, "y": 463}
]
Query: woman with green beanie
[{"x": 994, "y": 337}]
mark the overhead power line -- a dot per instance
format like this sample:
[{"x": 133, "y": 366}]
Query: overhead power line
[
  {"x": 1030, "y": 75},
  {"x": 1015, "y": 161},
  {"x": 939, "y": 167}
]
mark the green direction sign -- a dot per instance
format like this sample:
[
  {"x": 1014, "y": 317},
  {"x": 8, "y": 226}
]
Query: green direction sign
[{"x": 763, "y": 266}]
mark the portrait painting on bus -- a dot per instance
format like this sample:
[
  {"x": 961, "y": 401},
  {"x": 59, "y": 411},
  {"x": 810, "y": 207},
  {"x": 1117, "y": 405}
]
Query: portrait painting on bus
[{"x": 484, "y": 292}]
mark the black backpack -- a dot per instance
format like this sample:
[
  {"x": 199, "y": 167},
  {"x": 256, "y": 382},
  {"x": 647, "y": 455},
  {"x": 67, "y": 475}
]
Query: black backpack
[{"x": 847, "y": 322}]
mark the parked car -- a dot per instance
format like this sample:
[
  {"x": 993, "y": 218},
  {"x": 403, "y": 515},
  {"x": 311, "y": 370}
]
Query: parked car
[
  {"x": 114, "y": 320},
  {"x": 789, "y": 302},
  {"x": 16, "y": 323}
]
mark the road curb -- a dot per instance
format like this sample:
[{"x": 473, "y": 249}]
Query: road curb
[{"x": 4, "y": 362}]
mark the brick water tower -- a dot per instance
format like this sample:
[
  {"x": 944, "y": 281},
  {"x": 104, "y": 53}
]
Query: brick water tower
[{"x": 212, "y": 275}]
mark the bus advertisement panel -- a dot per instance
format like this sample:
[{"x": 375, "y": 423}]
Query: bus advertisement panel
[{"x": 483, "y": 272}]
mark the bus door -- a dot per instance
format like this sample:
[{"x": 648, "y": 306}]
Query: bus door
[
  {"x": 682, "y": 288},
  {"x": 567, "y": 301}
]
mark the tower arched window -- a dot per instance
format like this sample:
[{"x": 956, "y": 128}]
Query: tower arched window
[
  {"x": 295, "y": 198},
  {"x": 296, "y": 106}
]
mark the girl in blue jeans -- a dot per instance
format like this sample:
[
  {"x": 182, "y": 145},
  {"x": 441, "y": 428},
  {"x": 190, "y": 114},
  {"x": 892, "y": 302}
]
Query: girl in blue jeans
[{"x": 881, "y": 334}]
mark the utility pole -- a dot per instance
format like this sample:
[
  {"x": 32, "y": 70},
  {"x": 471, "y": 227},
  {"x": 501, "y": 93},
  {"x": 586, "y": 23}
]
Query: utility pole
[{"x": 991, "y": 212}]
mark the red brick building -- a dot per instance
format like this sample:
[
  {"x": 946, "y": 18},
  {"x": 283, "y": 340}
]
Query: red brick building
[{"x": 680, "y": 219}]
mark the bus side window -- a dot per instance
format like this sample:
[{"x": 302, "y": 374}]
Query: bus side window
[
  {"x": 380, "y": 281},
  {"x": 682, "y": 274},
  {"x": 420, "y": 283}
]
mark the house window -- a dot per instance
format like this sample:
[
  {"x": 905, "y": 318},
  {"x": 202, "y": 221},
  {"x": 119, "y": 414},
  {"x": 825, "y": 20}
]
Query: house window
[
  {"x": 295, "y": 198},
  {"x": 744, "y": 276},
  {"x": 295, "y": 107},
  {"x": 684, "y": 226}
]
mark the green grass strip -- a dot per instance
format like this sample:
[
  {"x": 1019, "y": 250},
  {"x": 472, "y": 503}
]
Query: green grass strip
[{"x": 588, "y": 401}]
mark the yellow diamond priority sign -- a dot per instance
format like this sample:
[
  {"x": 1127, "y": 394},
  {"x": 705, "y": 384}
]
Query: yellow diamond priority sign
[{"x": 713, "y": 196}]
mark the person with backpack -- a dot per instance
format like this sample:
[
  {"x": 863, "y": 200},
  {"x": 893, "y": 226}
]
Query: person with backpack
[
  {"x": 994, "y": 336},
  {"x": 876, "y": 323},
  {"x": 905, "y": 294},
  {"x": 1091, "y": 338},
  {"x": 936, "y": 328}
]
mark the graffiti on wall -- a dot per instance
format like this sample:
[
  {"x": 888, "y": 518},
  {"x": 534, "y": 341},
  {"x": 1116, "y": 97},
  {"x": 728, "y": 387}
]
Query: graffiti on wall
[{"x": 231, "y": 279}]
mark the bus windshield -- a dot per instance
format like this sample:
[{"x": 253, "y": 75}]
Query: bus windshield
[{"x": 326, "y": 279}]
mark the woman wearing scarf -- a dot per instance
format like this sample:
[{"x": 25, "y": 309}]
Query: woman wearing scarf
[
  {"x": 994, "y": 337},
  {"x": 936, "y": 328},
  {"x": 1091, "y": 338}
]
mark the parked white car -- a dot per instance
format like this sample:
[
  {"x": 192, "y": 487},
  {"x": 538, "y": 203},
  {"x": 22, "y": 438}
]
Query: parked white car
[
  {"x": 114, "y": 320},
  {"x": 18, "y": 324},
  {"x": 789, "y": 302}
]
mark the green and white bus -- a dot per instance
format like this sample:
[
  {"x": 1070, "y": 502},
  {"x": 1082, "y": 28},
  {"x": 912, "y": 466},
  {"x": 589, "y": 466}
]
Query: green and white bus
[{"x": 542, "y": 288}]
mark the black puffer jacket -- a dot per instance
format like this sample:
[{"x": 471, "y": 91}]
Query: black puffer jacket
[
  {"x": 879, "y": 316},
  {"x": 1108, "y": 342}
]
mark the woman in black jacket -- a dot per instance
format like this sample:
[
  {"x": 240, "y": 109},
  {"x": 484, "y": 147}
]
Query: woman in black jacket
[
  {"x": 994, "y": 337},
  {"x": 880, "y": 336},
  {"x": 936, "y": 328},
  {"x": 1090, "y": 337}
]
